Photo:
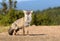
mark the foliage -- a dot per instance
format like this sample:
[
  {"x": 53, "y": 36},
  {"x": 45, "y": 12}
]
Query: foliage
[
  {"x": 49, "y": 16},
  {"x": 10, "y": 17}
]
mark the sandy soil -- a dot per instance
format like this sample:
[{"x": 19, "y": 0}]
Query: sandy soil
[{"x": 35, "y": 33}]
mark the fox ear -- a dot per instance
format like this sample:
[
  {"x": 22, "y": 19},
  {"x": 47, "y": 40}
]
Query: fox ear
[
  {"x": 32, "y": 11},
  {"x": 24, "y": 11}
]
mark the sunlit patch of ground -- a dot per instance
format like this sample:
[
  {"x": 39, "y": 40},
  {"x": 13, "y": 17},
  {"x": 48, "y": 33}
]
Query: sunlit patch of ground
[{"x": 35, "y": 33}]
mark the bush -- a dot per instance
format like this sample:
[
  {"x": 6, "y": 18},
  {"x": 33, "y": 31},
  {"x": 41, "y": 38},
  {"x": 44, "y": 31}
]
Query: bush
[{"x": 10, "y": 17}]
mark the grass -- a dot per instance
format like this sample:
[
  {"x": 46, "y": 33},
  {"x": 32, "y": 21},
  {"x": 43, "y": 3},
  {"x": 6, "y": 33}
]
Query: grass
[{"x": 4, "y": 28}]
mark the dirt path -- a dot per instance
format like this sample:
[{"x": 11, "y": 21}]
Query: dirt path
[{"x": 36, "y": 33}]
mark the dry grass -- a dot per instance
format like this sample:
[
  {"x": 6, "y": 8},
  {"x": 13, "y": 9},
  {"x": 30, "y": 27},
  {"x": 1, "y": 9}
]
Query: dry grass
[{"x": 3, "y": 29}]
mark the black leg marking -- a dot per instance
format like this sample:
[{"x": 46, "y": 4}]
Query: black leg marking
[{"x": 10, "y": 31}]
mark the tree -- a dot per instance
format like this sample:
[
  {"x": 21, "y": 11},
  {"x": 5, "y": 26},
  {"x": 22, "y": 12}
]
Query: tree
[
  {"x": 12, "y": 4},
  {"x": 15, "y": 2},
  {"x": 4, "y": 10}
]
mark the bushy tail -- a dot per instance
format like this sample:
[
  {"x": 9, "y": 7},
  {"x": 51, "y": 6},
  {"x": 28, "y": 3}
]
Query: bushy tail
[{"x": 10, "y": 31}]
